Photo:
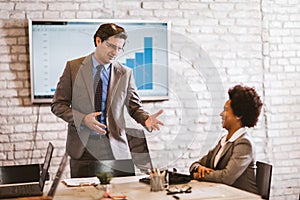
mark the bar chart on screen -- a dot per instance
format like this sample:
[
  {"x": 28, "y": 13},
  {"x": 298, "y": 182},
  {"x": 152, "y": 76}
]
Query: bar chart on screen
[
  {"x": 146, "y": 53},
  {"x": 142, "y": 65}
]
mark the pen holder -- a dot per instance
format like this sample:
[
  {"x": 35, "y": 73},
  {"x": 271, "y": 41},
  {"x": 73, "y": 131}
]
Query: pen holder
[{"x": 157, "y": 182}]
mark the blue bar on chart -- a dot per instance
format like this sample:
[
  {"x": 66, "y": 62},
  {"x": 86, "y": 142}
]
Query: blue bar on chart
[
  {"x": 148, "y": 63},
  {"x": 142, "y": 66},
  {"x": 139, "y": 70}
]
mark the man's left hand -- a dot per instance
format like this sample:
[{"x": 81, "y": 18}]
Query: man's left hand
[{"x": 152, "y": 123}]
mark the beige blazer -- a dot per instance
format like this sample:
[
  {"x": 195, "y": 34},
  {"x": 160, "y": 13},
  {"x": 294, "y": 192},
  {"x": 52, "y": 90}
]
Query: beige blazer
[
  {"x": 74, "y": 98},
  {"x": 236, "y": 166}
]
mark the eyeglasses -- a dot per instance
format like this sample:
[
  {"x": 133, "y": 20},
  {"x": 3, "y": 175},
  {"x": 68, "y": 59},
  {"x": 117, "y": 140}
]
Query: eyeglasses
[
  {"x": 114, "y": 47},
  {"x": 179, "y": 189}
]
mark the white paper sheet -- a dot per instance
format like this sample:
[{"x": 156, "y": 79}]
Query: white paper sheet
[{"x": 76, "y": 182}]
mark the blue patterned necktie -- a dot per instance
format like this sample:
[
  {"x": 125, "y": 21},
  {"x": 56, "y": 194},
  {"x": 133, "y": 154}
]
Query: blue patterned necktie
[
  {"x": 98, "y": 91},
  {"x": 101, "y": 93},
  {"x": 105, "y": 81}
]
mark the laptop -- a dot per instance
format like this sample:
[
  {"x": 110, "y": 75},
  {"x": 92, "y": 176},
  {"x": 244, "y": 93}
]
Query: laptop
[
  {"x": 29, "y": 188},
  {"x": 58, "y": 175},
  {"x": 117, "y": 168},
  {"x": 20, "y": 173},
  {"x": 138, "y": 146}
]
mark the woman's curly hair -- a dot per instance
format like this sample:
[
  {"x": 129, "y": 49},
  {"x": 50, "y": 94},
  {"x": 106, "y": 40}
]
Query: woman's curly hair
[{"x": 245, "y": 104}]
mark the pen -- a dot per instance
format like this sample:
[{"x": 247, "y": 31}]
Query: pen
[
  {"x": 176, "y": 197},
  {"x": 120, "y": 197}
]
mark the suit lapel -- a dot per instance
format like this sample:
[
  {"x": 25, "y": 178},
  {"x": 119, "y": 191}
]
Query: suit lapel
[
  {"x": 216, "y": 150},
  {"x": 223, "y": 155},
  {"x": 226, "y": 153},
  {"x": 227, "y": 146},
  {"x": 113, "y": 83},
  {"x": 87, "y": 76}
]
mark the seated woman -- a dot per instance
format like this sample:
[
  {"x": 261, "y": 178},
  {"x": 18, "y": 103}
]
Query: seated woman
[{"x": 232, "y": 160}]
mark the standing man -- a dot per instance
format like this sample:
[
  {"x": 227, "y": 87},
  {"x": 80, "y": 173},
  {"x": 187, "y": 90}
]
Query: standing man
[{"x": 91, "y": 95}]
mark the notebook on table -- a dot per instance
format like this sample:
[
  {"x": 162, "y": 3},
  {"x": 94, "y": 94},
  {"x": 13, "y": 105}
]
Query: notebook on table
[{"x": 29, "y": 188}]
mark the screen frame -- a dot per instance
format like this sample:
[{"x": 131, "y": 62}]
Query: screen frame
[{"x": 48, "y": 98}]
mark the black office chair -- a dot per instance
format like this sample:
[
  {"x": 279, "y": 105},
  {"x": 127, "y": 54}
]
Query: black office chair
[{"x": 263, "y": 179}]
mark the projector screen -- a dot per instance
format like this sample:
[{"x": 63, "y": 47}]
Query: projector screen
[{"x": 53, "y": 42}]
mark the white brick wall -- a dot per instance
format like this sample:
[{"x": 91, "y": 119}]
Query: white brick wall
[{"x": 256, "y": 43}]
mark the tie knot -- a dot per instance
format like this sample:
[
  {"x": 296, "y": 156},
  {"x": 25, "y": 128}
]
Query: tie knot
[{"x": 99, "y": 67}]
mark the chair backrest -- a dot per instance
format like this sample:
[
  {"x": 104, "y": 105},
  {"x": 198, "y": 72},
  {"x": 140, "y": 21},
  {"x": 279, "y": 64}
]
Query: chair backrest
[{"x": 263, "y": 179}]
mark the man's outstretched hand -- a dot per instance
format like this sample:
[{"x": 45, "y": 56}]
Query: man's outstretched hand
[
  {"x": 91, "y": 122},
  {"x": 152, "y": 123}
]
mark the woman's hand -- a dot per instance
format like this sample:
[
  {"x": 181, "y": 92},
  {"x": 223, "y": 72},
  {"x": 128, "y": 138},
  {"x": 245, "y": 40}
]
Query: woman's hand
[{"x": 201, "y": 171}]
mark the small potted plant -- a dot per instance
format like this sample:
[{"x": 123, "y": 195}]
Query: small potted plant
[{"x": 104, "y": 178}]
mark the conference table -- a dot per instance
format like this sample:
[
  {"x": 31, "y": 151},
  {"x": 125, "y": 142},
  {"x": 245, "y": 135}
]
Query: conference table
[{"x": 133, "y": 189}]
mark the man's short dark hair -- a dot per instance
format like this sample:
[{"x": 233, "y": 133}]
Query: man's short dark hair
[
  {"x": 245, "y": 103},
  {"x": 110, "y": 29}
]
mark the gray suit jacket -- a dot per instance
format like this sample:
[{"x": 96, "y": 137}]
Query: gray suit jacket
[
  {"x": 74, "y": 98},
  {"x": 236, "y": 166}
]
